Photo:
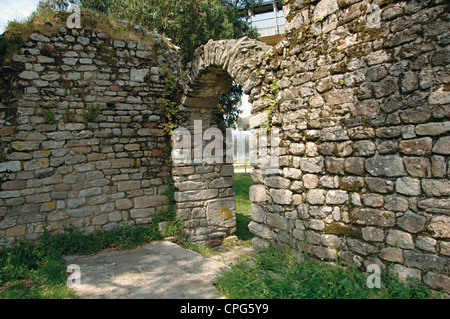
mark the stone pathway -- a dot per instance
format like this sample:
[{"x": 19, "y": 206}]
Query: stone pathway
[{"x": 160, "y": 270}]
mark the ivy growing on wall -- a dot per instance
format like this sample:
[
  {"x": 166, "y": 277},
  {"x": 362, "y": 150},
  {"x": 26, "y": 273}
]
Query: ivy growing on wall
[{"x": 169, "y": 105}]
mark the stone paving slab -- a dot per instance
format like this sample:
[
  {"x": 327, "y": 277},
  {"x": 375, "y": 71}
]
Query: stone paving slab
[{"x": 159, "y": 270}]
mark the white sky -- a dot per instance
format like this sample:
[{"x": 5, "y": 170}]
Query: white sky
[
  {"x": 15, "y": 10},
  {"x": 246, "y": 106}
]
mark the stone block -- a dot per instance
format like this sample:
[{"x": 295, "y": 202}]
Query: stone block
[
  {"x": 424, "y": 261},
  {"x": 128, "y": 186},
  {"x": 433, "y": 129},
  {"x": 421, "y": 146},
  {"x": 10, "y": 167},
  {"x": 277, "y": 221},
  {"x": 336, "y": 197},
  {"x": 257, "y": 193},
  {"x": 442, "y": 146},
  {"x": 436, "y": 187},
  {"x": 354, "y": 165},
  {"x": 417, "y": 166},
  {"x": 392, "y": 254},
  {"x": 196, "y": 195},
  {"x": 281, "y": 196},
  {"x": 389, "y": 165},
  {"x": 400, "y": 239},
  {"x": 372, "y": 217},
  {"x": 123, "y": 203},
  {"x": 380, "y": 185},
  {"x": 260, "y": 230},
  {"x": 221, "y": 212},
  {"x": 437, "y": 281},
  {"x": 149, "y": 201},
  {"x": 436, "y": 205},
  {"x": 408, "y": 186},
  {"x": 440, "y": 226},
  {"x": 373, "y": 234},
  {"x": 316, "y": 196},
  {"x": 277, "y": 182}
]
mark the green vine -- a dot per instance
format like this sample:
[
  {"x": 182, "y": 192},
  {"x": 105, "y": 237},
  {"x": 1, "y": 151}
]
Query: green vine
[
  {"x": 169, "y": 105},
  {"x": 273, "y": 104}
]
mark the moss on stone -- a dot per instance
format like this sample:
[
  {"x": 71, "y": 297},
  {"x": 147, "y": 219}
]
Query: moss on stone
[{"x": 341, "y": 229}]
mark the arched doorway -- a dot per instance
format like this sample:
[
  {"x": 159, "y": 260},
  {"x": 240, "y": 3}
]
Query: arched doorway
[{"x": 202, "y": 145}]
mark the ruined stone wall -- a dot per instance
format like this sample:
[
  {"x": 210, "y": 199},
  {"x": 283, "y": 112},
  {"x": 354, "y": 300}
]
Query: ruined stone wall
[
  {"x": 364, "y": 111},
  {"x": 81, "y": 132}
]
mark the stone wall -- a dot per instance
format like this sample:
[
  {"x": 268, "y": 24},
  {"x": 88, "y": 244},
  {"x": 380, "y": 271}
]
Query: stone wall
[
  {"x": 81, "y": 132},
  {"x": 364, "y": 112},
  {"x": 358, "y": 89}
]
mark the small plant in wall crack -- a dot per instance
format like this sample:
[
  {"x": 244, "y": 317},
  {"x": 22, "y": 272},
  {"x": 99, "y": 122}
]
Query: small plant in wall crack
[
  {"x": 273, "y": 105},
  {"x": 90, "y": 114},
  {"x": 169, "y": 105}
]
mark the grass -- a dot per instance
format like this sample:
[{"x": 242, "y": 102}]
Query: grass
[
  {"x": 38, "y": 271},
  {"x": 242, "y": 183},
  {"x": 277, "y": 273}
]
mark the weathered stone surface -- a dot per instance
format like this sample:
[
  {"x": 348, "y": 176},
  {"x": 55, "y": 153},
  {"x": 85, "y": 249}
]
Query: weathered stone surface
[
  {"x": 221, "y": 212},
  {"x": 436, "y": 205},
  {"x": 281, "y": 196},
  {"x": 436, "y": 187},
  {"x": 10, "y": 167},
  {"x": 419, "y": 147},
  {"x": 196, "y": 195},
  {"x": 440, "y": 226},
  {"x": 392, "y": 254},
  {"x": 389, "y": 165},
  {"x": 405, "y": 273},
  {"x": 373, "y": 234},
  {"x": 380, "y": 185},
  {"x": 412, "y": 222},
  {"x": 433, "y": 129},
  {"x": 417, "y": 166},
  {"x": 138, "y": 75},
  {"x": 324, "y": 8},
  {"x": 277, "y": 221},
  {"x": 421, "y": 260},
  {"x": 408, "y": 186},
  {"x": 260, "y": 230},
  {"x": 400, "y": 239},
  {"x": 437, "y": 281},
  {"x": 316, "y": 196},
  {"x": 257, "y": 193},
  {"x": 372, "y": 217},
  {"x": 336, "y": 197},
  {"x": 442, "y": 146},
  {"x": 277, "y": 182}
]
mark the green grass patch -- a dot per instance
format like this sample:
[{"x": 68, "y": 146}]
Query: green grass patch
[
  {"x": 38, "y": 271},
  {"x": 277, "y": 273},
  {"x": 242, "y": 183}
]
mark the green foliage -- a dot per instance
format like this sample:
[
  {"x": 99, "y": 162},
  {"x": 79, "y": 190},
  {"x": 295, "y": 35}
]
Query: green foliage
[
  {"x": 90, "y": 114},
  {"x": 169, "y": 105},
  {"x": 273, "y": 105},
  {"x": 49, "y": 116},
  {"x": 242, "y": 183},
  {"x": 229, "y": 105},
  {"x": 277, "y": 273}
]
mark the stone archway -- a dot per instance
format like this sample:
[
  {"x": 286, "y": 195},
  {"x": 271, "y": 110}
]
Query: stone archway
[{"x": 204, "y": 190}]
